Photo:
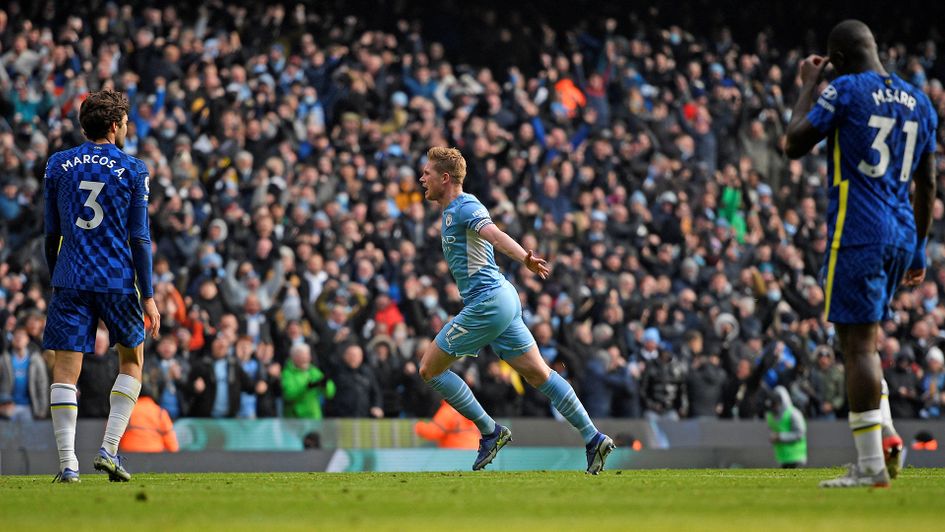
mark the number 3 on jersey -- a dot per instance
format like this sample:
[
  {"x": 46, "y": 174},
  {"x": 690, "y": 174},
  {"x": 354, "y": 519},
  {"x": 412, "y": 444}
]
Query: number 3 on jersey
[
  {"x": 94, "y": 188},
  {"x": 885, "y": 126}
]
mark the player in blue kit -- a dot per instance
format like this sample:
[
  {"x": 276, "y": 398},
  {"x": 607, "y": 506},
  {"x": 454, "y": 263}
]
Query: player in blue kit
[
  {"x": 880, "y": 139},
  {"x": 492, "y": 314},
  {"x": 98, "y": 245}
]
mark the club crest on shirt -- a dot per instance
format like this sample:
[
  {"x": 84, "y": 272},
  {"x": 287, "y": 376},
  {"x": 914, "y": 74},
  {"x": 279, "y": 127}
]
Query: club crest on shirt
[{"x": 449, "y": 220}]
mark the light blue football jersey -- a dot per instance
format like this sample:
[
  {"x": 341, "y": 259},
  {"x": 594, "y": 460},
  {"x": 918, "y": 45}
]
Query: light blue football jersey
[{"x": 471, "y": 258}]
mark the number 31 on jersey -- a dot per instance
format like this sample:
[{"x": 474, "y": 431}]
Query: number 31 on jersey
[{"x": 885, "y": 125}]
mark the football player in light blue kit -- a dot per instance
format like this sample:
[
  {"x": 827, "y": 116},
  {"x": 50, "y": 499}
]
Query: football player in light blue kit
[
  {"x": 880, "y": 134},
  {"x": 492, "y": 314}
]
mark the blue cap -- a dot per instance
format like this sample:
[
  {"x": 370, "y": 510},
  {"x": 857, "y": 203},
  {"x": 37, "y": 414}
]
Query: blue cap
[{"x": 651, "y": 334}]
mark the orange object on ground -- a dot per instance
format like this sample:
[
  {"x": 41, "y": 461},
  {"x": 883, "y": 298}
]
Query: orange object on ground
[
  {"x": 150, "y": 429},
  {"x": 449, "y": 429}
]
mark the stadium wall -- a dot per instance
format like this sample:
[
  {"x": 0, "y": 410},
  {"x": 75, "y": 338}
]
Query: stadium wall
[{"x": 390, "y": 445}]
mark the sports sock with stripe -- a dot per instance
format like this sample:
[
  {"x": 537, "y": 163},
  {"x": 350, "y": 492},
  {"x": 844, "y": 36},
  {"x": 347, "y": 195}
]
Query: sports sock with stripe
[
  {"x": 459, "y": 396},
  {"x": 868, "y": 437},
  {"x": 568, "y": 405},
  {"x": 123, "y": 398},
  {"x": 64, "y": 409},
  {"x": 888, "y": 428}
]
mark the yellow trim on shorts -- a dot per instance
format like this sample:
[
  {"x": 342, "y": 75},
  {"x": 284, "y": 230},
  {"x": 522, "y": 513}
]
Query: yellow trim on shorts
[{"x": 838, "y": 229}]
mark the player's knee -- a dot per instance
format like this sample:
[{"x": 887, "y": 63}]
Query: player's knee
[
  {"x": 426, "y": 371},
  {"x": 535, "y": 376}
]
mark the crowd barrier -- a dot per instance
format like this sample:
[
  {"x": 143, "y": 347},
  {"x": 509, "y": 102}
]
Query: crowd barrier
[{"x": 275, "y": 445}]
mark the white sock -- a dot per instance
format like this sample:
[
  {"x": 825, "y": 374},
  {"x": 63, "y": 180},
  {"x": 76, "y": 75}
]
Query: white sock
[
  {"x": 888, "y": 429},
  {"x": 868, "y": 437},
  {"x": 64, "y": 409},
  {"x": 123, "y": 398}
]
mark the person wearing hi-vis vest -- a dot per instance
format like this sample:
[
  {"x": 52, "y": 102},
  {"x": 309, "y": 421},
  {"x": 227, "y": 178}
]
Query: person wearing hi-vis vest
[{"x": 788, "y": 429}]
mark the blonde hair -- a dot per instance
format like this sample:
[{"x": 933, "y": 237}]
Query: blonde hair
[{"x": 448, "y": 160}]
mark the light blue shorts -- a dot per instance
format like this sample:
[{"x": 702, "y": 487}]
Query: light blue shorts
[{"x": 496, "y": 321}]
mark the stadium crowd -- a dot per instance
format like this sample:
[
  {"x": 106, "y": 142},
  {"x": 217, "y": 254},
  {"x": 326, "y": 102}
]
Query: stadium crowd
[{"x": 299, "y": 271}]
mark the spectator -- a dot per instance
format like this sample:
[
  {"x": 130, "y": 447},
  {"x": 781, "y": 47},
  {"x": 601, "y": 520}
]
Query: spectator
[
  {"x": 24, "y": 379},
  {"x": 704, "y": 385},
  {"x": 269, "y": 382},
  {"x": 168, "y": 376},
  {"x": 932, "y": 385},
  {"x": 247, "y": 361},
  {"x": 903, "y": 388},
  {"x": 449, "y": 429},
  {"x": 651, "y": 172},
  {"x": 606, "y": 376},
  {"x": 387, "y": 368},
  {"x": 420, "y": 400},
  {"x": 499, "y": 388},
  {"x": 663, "y": 387},
  {"x": 388, "y": 315},
  {"x": 215, "y": 382},
  {"x": 828, "y": 384},
  {"x": 150, "y": 429},
  {"x": 304, "y": 387},
  {"x": 99, "y": 370},
  {"x": 358, "y": 393}
]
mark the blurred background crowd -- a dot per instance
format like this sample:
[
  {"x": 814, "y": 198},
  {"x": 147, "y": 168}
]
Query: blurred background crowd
[{"x": 298, "y": 269}]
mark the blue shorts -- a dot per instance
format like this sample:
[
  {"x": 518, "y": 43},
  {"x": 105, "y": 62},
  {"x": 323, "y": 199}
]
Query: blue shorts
[
  {"x": 860, "y": 282},
  {"x": 496, "y": 321},
  {"x": 73, "y": 317}
]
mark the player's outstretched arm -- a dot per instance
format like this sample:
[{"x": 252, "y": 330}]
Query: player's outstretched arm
[
  {"x": 922, "y": 203},
  {"x": 507, "y": 245},
  {"x": 801, "y": 134}
]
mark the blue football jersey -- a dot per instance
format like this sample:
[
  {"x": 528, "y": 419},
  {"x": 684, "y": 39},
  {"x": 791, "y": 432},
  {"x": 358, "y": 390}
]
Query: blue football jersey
[
  {"x": 89, "y": 192},
  {"x": 471, "y": 258},
  {"x": 877, "y": 128}
]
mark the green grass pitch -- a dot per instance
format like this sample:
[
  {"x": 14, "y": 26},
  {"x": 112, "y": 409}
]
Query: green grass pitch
[{"x": 615, "y": 500}]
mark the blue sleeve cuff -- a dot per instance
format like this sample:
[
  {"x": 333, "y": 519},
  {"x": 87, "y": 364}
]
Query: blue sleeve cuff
[
  {"x": 919, "y": 256},
  {"x": 141, "y": 256}
]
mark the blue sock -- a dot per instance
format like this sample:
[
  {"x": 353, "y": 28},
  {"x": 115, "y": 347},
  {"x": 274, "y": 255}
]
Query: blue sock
[
  {"x": 568, "y": 405},
  {"x": 459, "y": 396}
]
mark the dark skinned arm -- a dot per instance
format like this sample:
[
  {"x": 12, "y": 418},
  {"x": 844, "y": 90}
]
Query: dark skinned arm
[
  {"x": 922, "y": 203},
  {"x": 802, "y": 136}
]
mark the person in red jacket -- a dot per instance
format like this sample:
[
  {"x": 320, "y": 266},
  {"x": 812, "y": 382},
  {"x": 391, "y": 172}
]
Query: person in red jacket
[
  {"x": 150, "y": 429},
  {"x": 449, "y": 429},
  {"x": 388, "y": 315}
]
